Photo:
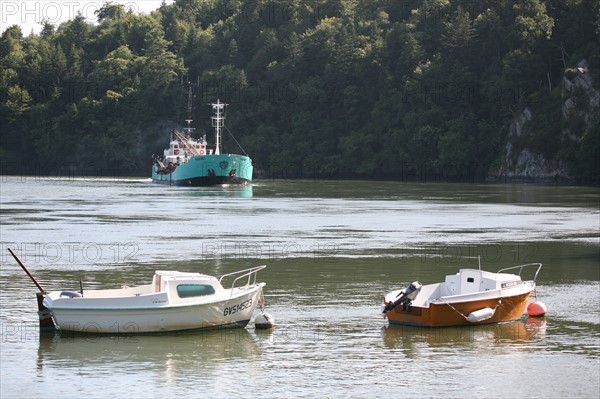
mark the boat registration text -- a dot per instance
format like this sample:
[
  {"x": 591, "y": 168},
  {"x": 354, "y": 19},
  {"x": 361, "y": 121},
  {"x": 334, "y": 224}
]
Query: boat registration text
[{"x": 230, "y": 310}]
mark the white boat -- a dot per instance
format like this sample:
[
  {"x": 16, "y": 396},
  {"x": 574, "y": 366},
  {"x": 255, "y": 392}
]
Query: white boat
[{"x": 174, "y": 301}]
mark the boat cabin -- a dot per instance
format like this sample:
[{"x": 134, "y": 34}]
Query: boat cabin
[
  {"x": 185, "y": 287},
  {"x": 184, "y": 147},
  {"x": 465, "y": 282},
  {"x": 469, "y": 281}
]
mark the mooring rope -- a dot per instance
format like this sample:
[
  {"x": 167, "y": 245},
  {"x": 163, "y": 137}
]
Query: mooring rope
[
  {"x": 465, "y": 317},
  {"x": 234, "y": 139}
]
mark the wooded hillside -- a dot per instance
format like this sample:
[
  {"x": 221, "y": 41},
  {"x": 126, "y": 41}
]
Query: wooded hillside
[{"x": 317, "y": 89}]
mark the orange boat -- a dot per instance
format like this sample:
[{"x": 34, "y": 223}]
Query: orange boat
[{"x": 470, "y": 296}]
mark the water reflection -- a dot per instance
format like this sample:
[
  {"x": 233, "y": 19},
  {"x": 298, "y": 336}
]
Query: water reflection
[
  {"x": 411, "y": 339},
  {"x": 172, "y": 353},
  {"x": 233, "y": 191}
]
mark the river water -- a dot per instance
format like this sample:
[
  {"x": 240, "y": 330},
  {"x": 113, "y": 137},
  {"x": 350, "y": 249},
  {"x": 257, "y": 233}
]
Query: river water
[{"x": 332, "y": 249}]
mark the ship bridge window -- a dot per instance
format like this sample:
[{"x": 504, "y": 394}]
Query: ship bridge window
[{"x": 192, "y": 290}]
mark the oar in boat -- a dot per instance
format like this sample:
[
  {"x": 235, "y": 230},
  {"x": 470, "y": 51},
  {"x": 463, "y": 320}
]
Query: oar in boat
[{"x": 27, "y": 271}]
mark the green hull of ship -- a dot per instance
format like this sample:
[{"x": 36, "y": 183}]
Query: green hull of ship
[{"x": 208, "y": 170}]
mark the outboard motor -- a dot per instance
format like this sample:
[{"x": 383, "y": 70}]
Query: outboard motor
[{"x": 405, "y": 297}]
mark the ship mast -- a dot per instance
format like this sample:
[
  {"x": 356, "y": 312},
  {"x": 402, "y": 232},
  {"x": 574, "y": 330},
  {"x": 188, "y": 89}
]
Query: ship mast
[
  {"x": 217, "y": 121},
  {"x": 189, "y": 129}
]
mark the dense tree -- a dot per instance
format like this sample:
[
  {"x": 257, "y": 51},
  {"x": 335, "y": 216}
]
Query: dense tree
[{"x": 328, "y": 88}]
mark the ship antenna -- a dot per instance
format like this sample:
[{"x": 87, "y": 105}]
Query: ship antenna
[{"x": 218, "y": 121}]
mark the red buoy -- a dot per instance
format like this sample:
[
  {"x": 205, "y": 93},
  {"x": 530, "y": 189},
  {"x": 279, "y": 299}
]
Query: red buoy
[{"x": 536, "y": 309}]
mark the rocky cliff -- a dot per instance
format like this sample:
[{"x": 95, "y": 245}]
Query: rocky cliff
[{"x": 580, "y": 110}]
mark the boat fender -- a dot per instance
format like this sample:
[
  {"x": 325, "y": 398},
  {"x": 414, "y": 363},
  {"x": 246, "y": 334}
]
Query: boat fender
[
  {"x": 481, "y": 315},
  {"x": 70, "y": 294},
  {"x": 536, "y": 309},
  {"x": 264, "y": 321}
]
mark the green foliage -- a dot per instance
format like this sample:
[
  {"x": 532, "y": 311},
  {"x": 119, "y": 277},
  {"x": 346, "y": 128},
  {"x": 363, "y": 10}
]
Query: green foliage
[{"x": 327, "y": 88}]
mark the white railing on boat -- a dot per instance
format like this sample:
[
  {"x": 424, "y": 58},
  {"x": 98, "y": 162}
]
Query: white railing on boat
[
  {"x": 250, "y": 273},
  {"x": 520, "y": 267}
]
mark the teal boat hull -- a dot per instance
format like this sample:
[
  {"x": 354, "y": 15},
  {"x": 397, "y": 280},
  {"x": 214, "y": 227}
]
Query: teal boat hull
[{"x": 208, "y": 170}]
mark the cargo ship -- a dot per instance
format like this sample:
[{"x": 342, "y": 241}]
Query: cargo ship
[{"x": 191, "y": 161}]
